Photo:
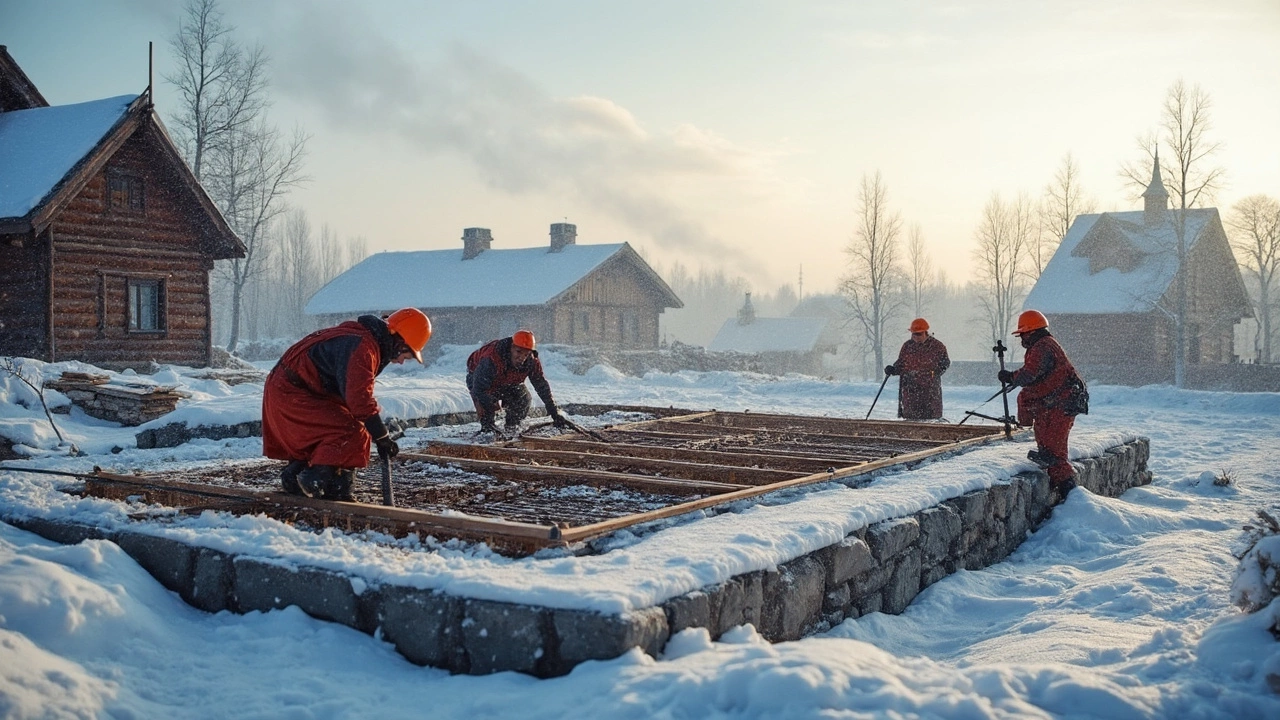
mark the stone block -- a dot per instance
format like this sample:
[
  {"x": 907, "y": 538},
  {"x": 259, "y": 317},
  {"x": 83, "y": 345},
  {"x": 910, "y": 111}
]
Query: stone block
[
  {"x": 837, "y": 601},
  {"x": 904, "y": 584},
  {"x": 503, "y": 636},
  {"x": 998, "y": 498},
  {"x": 844, "y": 560},
  {"x": 890, "y": 537},
  {"x": 587, "y": 635},
  {"x": 939, "y": 530},
  {"x": 170, "y": 562},
  {"x": 792, "y": 599},
  {"x": 212, "y": 581},
  {"x": 872, "y": 580},
  {"x": 689, "y": 610},
  {"x": 932, "y": 574},
  {"x": 424, "y": 626},
  {"x": 322, "y": 594},
  {"x": 65, "y": 532},
  {"x": 870, "y": 603},
  {"x": 971, "y": 507}
]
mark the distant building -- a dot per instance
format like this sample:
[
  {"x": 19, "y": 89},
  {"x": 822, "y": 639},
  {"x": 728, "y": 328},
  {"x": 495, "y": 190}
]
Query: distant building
[
  {"x": 599, "y": 295},
  {"x": 789, "y": 344},
  {"x": 1109, "y": 289},
  {"x": 107, "y": 238}
]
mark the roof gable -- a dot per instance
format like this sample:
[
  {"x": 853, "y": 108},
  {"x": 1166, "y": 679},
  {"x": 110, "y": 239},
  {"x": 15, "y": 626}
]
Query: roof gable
[
  {"x": 17, "y": 92},
  {"x": 1125, "y": 266},
  {"x": 442, "y": 279}
]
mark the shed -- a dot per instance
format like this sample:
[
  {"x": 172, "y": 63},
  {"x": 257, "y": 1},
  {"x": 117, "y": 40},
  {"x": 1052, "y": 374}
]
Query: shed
[
  {"x": 599, "y": 295},
  {"x": 108, "y": 238},
  {"x": 784, "y": 344}
]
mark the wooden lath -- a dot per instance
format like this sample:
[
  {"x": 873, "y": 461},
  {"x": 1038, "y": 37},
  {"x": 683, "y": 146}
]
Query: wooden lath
[{"x": 803, "y": 466}]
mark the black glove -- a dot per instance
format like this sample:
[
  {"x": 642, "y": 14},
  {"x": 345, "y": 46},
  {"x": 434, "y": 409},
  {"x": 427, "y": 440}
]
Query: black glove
[
  {"x": 558, "y": 420},
  {"x": 890, "y": 370},
  {"x": 387, "y": 448},
  {"x": 487, "y": 426},
  {"x": 1005, "y": 377}
]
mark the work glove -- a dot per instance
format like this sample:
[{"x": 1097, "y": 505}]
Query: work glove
[
  {"x": 387, "y": 448},
  {"x": 558, "y": 420},
  {"x": 487, "y": 426},
  {"x": 1005, "y": 377},
  {"x": 890, "y": 370}
]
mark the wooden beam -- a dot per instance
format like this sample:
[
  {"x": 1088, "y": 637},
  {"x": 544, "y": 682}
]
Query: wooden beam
[
  {"x": 686, "y": 470},
  {"x": 572, "y": 476},
  {"x": 718, "y": 457},
  {"x": 901, "y": 429}
]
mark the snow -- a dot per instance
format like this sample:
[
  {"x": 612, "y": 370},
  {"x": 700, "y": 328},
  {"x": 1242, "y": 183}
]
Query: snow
[
  {"x": 39, "y": 146},
  {"x": 794, "y": 334},
  {"x": 1067, "y": 286},
  {"x": 442, "y": 279},
  {"x": 1114, "y": 608}
]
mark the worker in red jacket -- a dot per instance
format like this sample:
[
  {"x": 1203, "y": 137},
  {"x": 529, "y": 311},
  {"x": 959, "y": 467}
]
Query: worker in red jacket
[
  {"x": 318, "y": 409},
  {"x": 1052, "y": 395},
  {"x": 919, "y": 368},
  {"x": 495, "y": 376}
]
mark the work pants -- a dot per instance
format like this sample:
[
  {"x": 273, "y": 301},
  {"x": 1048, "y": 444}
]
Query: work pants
[{"x": 1052, "y": 428}]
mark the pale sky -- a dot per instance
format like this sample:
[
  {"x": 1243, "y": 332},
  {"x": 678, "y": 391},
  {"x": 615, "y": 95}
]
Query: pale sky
[{"x": 729, "y": 134}]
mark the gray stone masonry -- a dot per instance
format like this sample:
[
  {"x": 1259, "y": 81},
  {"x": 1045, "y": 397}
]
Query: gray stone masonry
[{"x": 880, "y": 568}]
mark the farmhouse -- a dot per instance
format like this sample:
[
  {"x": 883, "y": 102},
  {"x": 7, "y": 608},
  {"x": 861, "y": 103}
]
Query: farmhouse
[
  {"x": 600, "y": 295},
  {"x": 785, "y": 344},
  {"x": 107, "y": 237},
  {"x": 1110, "y": 290}
]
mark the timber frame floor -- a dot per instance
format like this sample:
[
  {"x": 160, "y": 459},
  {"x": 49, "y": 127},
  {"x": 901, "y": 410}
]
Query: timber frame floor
[{"x": 545, "y": 490}]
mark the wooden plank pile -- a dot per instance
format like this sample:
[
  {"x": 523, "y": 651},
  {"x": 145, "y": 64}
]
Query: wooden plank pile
[{"x": 126, "y": 403}]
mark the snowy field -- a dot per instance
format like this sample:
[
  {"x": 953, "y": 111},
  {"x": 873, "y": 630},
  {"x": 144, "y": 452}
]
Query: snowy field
[{"x": 1115, "y": 608}]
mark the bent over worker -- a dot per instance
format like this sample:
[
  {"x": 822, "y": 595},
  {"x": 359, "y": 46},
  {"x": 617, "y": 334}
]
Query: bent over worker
[
  {"x": 318, "y": 409},
  {"x": 496, "y": 374},
  {"x": 1051, "y": 397},
  {"x": 919, "y": 368}
]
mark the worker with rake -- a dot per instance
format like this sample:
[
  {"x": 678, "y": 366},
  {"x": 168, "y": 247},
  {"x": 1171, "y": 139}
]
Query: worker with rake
[
  {"x": 495, "y": 376},
  {"x": 318, "y": 409}
]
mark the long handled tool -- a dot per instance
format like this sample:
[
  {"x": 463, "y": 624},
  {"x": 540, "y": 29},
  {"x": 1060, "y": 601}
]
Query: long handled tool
[
  {"x": 877, "y": 398},
  {"x": 583, "y": 431},
  {"x": 388, "y": 498},
  {"x": 1008, "y": 429},
  {"x": 970, "y": 413}
]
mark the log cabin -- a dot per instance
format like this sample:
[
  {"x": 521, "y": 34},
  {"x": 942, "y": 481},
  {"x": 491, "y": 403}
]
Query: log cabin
[
  {"x": 1110, "y": 291},
  {"x": 595, "y": 295},
  {"x": 107, "y": 237},
  {"x": 783, "y": 344}
]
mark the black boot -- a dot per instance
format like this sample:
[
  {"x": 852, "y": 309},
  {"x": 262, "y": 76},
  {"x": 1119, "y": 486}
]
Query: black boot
[
  {"x": 1041, "y": 458},
  {"x": 289, "y": 476},
  {"x": 314, "y": 479},
  {"x": 339, "y": 488}
]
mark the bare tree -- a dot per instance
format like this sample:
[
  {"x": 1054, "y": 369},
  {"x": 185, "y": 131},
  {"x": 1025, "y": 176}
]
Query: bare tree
[
  {"x": 919, "y": 270},
  {"x": 357, "y": 250},
  {"x": 1003, "y": 236},
  {"x": 1255, "y": 221},
  {"x": 1191, "y": 179},
  {"x": 871, "y": 286},
  {"x": 329, "y": 258},
  {"x": 1064, "y": 199},
  {"x": 223, "y": 85},
  {"x": 299, "y": 266}
]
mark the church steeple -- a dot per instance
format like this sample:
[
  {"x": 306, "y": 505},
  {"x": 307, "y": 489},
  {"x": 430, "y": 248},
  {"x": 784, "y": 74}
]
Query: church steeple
[{"x": 1155, "y": 201}]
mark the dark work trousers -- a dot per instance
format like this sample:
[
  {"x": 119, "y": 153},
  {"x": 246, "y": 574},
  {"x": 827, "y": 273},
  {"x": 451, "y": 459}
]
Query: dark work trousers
[
  {"x": 513, "y": 398},
  {"x": 1052, "y": 428}
]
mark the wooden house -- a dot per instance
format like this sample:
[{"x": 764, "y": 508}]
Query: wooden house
[
  {"x": 107, "y": 238},
  {"x": 783, "y": 344},
  {"x": 1110, "y": 289},
  {"x": 597, "y": 295}
]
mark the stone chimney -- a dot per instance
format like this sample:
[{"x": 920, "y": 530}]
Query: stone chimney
[
  {"x": 1155, "y": 201},
  {"x": 563, "y": 234},
  {"x": 475, "y": 241},
  {"x": 747, "y": 313}
]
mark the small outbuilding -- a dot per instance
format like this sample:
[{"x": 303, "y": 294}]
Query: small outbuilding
[
  {"x": 783, "y": 344},
  {"x": 596, "y": 295},
  {"x": 1110, "y": 291},
  {"x": 107, "y": 237}
]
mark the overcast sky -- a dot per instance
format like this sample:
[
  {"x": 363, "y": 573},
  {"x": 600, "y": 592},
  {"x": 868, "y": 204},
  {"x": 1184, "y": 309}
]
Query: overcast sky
[{"x": 721, "y": 133}]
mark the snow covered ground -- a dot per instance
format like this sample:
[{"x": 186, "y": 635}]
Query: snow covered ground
[{"x": 1115, "y": 608}]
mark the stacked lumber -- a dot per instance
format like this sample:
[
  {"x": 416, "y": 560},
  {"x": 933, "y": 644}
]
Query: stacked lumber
[{"x": 128, "y": 403}]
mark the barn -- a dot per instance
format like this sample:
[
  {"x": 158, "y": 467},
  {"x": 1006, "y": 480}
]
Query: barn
[
  {"x": 107, "y": 237},
  {"x": 1109, "y": 290},
  {"x": 596, "y": 295}
]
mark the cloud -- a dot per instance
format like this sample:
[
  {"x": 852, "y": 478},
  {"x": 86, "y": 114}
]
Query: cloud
[{"x": 520, "y": 139}]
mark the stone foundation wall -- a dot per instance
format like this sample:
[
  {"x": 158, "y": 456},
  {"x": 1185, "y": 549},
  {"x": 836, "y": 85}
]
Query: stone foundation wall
[{"x": 880, "y": 568}]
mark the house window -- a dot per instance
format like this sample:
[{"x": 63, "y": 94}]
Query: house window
[
  {"x": 124, "y": 192},
  {"x": 584, "y": 322},
  {"x": 146, "y": 305}
]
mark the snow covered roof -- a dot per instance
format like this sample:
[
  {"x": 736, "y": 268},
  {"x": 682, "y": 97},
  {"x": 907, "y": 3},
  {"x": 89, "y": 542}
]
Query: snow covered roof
[
  {"x": 790, "y": 334},
  {"x": 1068, "y": 285},
  {"x": 41, "y": 146},
  {"x": 442, "y": 279}
]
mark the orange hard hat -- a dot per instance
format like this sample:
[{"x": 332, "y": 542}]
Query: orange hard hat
[
  {"x": 524, "y": 339},
  {"x": 919, "y": 325},
  {"x": 413, "y": 326},
  {"x": 1030, "y": 321}
]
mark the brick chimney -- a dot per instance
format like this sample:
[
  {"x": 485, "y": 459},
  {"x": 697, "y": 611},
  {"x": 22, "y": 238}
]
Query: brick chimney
[
  {"x": 475, "y": 241},
  {"x": 563, "y": 234}
]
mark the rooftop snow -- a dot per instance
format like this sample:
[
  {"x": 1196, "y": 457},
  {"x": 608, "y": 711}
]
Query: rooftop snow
[
  {"x": 39, "y": 146},
  {"x": 441, "y": 279},
  {"x": 1067, "y": 286},
  {"x": 794, "y": 334}
]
